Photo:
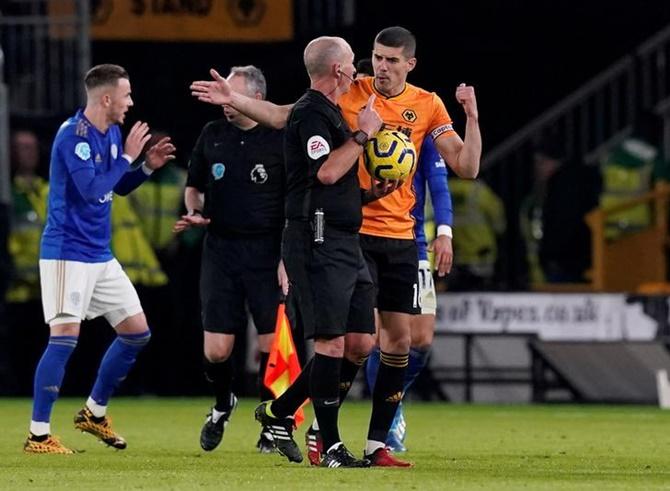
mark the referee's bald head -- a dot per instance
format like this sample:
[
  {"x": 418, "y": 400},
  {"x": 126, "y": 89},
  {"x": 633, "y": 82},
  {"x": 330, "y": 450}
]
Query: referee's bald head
[{"x": 321, "y": 53}]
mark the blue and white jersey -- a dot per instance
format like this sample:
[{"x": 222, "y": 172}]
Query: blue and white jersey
[
  {"x": 85, "y": 167},
  {"x": 431, "y": 170}
]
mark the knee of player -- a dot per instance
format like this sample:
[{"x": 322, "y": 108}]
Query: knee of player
[
  {"x": 218, "y": 353},
  {"x": 330, "y": 346},
  {"x": 65, "y": 330},
  {"x": 358, "y": 346},
  {"x": 422, "y": 339},
  {"x": 397, "y": 343}
]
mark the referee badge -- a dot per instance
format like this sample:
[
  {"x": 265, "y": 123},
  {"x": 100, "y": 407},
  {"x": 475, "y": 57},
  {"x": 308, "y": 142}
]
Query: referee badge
[
  {"x": 258, "y": 174},
  {"x": 218, "y": 170}
]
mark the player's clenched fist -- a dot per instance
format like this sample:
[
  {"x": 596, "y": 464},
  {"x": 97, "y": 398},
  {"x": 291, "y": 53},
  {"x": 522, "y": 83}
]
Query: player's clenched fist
[{"x": 465, "y": 95}]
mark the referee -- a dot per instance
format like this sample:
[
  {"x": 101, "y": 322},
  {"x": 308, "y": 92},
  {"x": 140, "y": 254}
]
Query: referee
[
  {"x": 235, "y": 188},
  {"x": 320, "y": 245}
]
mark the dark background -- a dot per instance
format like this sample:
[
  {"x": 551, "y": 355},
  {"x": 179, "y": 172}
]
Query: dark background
[{"x": 521, "y": 56}]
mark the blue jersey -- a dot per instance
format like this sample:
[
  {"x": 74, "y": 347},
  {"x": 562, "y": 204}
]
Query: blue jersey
[
  {"x": 432, "y": 170},
  {"x": 86, "y": 167}
]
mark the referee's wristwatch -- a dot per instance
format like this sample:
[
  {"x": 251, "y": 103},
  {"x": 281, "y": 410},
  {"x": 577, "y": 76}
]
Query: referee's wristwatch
[{"x": 360, "y": 137}]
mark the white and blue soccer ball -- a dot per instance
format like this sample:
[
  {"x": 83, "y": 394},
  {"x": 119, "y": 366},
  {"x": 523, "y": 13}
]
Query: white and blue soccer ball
[{"x": 390, "y": 154}]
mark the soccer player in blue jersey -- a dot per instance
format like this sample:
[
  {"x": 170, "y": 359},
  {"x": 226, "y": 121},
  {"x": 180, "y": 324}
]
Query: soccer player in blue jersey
[
  {"x": 431, "y": 170},
  {"x": 80, "y": 279}
]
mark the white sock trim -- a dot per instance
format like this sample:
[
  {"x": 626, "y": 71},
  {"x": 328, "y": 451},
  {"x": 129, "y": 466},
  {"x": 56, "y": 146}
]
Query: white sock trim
[
  {"x": 98, "y": 410},
  {"x": 373, "y": 445},
  {"x": 40, "y": 428}
]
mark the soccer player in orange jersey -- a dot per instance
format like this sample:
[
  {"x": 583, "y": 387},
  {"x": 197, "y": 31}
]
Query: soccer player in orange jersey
[{"x": 387, "y": 237}]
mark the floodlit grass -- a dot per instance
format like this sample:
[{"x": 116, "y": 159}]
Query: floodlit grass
[{"x": 453, "y": 447}]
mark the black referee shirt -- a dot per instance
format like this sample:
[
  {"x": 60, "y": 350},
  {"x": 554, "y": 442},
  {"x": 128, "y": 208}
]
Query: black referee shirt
[
  {"x": 315, "y": 128},
  {"x": 241, "y": 173}
]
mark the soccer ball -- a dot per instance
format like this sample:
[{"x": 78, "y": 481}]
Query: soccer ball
[{"x": 390, "y": 154}]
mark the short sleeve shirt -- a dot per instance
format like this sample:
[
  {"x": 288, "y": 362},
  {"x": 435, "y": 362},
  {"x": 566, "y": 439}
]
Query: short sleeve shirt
[
  {"x": 315, "y": 128},
  {"x": 241, "y": 173}
]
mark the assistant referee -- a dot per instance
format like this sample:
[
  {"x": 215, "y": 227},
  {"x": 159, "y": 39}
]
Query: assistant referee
[{"x": 235, "y": 188}]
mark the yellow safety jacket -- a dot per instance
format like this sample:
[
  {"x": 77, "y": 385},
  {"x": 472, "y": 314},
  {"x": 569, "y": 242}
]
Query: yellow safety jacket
[
  {"x": 479, "y": 218},
  {"x": 627, "y": 173},
  {"x": 131, "y": 248},
  {"x": 157, "y": 203},
  {"x": 29, "y": 202}
]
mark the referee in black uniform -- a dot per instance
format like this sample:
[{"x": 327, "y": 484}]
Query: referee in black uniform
[
  {"x": 235, "y": 187},
  {"x": 320, "y": 246}
]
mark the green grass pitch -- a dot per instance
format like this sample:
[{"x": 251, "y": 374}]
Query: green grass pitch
[{"x": 460, "y": 447}]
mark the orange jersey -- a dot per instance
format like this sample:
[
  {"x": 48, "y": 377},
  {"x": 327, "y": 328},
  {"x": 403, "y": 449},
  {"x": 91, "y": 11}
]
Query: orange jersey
[{"x": 415, "y": 112}]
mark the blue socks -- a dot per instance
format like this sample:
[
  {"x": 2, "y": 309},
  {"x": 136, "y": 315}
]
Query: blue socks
[
  {"x": 49, "y": 375},
  {"x": 372, "y": 367},
  {"x": 116, "y": 364},
  {"x": 417, "y": 360}
]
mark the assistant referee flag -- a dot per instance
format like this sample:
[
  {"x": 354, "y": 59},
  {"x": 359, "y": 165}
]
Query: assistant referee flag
[{"x": 283, "y": 364}]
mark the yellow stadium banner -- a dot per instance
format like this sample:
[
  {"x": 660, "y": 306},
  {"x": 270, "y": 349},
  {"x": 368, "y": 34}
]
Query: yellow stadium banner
[{"x": 192, "y": 20}]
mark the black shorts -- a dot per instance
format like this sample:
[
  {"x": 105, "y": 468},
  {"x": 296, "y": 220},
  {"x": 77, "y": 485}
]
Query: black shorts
[
  {"x": 330, "y": 281},
  {"x": 235, "y": 272},
  {"x": 393, "y": 265}
]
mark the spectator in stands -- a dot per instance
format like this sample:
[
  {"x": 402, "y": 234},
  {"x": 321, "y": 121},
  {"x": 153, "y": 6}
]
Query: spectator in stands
[
  {"x": 27, "y": 219},
  {"x": 5, "y": 259},
  {"x": 629, "y": 170},
  {"x": 29, "y": 194},
  {"x": 131, "y": 247},
  {"x": 479, "y": 218},
  {"x": 166, "y": 258},
  {"x": 558, "y": 240},
  {"x": 7, "y": 377},
  {"x": 158, "y": 203}
]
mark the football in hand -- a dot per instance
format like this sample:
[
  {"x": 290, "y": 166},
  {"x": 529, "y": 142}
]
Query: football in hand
[{"x": 390, "y": 154}]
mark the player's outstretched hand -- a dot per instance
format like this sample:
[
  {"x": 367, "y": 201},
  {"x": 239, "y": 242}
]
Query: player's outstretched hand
[
  {"x": 465, "y": 95},
  {"x": 444, "y": 254},
  {"x": 216, "y": 91},
  {"x": 160, "y": 154},
  {"x": 369, "y": 120},
  {"x": 137, "y": 137},
  {"x": 188, "y": 221}
]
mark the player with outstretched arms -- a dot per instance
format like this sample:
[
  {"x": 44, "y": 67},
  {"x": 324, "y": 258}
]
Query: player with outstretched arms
[{"x": 79, "y": 276}]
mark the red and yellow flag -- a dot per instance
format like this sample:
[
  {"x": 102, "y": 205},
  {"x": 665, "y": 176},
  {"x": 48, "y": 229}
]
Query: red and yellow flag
[{"x": 283, "y": 364}]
